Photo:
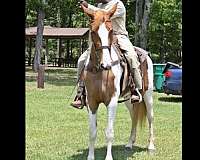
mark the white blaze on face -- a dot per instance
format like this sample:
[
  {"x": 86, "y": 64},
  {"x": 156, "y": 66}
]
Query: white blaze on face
[
  {"x": 103, "y": 34},
  {"x": 117, "y": 70}
]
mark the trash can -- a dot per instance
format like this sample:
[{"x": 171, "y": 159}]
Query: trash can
[{"x": 158, "y": 76}]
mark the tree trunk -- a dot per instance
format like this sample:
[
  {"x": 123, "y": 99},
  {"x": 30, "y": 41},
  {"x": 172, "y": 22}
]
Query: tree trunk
[
  {"x": 138, "y": 21},
  {"x": 58, "y": 41},
  {"x": 38, "y": 46},
  {"x": 145, "y": 23},
  {"x": 39, "y": 36},
  {"x": 142, "y": 22},
  {"x": 40, "y": 77}
]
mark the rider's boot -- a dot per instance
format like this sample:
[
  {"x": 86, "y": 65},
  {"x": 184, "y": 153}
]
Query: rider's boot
[
  {"x": 79, "y": 101},
  {"x": 136, "y": 96}
]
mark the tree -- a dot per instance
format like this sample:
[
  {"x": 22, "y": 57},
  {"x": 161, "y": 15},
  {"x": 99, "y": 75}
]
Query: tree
[
  {"x": 40, "y": 8},
  {"x": 165, "y": 31},
  {"x": 142, "y": 13},
  {"x": 159, "y": 32},
  {"x": 39, "y": 37}
]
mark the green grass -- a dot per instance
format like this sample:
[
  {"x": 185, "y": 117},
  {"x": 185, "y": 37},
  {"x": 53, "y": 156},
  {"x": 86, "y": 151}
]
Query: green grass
[{"x": 56, "y": 131}]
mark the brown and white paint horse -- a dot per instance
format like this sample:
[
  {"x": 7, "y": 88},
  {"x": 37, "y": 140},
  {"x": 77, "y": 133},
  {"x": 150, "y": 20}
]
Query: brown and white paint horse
[{"x": 102, "y": 76}]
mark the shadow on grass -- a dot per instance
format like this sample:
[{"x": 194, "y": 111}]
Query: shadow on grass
[
  {"x": 171, "y": 99},
  {"x": 70, "y": 81},
  {"x": 57, "y": 76},
  {"x": 53, "y": 70},
  {"x": 119, "y": 153}
]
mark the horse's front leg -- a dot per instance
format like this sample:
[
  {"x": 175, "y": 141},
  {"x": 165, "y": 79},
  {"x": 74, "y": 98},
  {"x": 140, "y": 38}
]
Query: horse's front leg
[
  {"x": 92, "y": 133},
  {"x": 109, "y": 132}
]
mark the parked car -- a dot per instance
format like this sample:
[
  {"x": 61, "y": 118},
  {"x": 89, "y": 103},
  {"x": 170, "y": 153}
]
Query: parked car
[{"x": 173, "y": 79}]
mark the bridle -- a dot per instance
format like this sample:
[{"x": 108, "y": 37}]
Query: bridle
[{"x": 99, "y": 66}]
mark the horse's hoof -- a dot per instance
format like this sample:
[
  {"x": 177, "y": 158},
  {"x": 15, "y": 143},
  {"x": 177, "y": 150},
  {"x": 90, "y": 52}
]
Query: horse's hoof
[
  {"x": 151, "y": 151},
  {"x": 90, "y": 158},
  {"x": 109, "y": 158}
]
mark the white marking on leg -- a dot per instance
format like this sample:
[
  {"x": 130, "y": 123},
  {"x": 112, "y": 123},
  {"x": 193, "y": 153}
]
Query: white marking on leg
[
  {"x": 148, "y": 99},
  {"x": 150, "y": 73},
  {"x": 109, "y": 132},
  {"x": 92, "y": 134},
  {"x": 132, "y": 137}
]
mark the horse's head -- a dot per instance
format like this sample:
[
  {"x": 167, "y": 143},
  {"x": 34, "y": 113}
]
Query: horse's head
[
  {"x": 101, "y": 26},
  {"x": 101, "y": 29}
]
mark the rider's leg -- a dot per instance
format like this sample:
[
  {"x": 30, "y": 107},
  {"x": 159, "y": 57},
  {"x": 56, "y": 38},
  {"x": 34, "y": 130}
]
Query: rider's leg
[
  {"x": 132, "y": 57},
  {"x": 81, "y": 62},
  {"x": 80, "y": 90},
  {"x": 134, "y": 64}
]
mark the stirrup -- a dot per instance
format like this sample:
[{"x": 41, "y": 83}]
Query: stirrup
[
  {"x": 77, "y": 105},
  {"x": 138, "y": 94}
]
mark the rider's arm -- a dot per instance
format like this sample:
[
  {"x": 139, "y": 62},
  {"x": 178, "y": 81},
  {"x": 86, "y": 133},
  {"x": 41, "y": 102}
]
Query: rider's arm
[
  {"x": 121, "y": 10},
  {"x": 118, "y": 13}
]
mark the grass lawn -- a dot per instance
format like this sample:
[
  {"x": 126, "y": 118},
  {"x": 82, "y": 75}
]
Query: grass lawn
[{"x": 56, "y": 131}]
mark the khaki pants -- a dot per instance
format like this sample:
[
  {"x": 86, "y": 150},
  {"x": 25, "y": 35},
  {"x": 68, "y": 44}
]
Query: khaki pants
[
  {"x": 82, "y": 61},
  {"x": 126, "y": 45}
]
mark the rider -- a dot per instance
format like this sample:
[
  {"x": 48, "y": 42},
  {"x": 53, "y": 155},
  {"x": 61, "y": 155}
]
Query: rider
[{"x": 119, "y": 29}]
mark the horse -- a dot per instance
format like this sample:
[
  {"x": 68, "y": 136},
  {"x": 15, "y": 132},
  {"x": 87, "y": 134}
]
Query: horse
[{"x": 102, "y": 75}]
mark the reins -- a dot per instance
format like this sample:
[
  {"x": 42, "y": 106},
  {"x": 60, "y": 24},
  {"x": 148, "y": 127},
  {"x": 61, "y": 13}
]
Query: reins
[{"x": 100, "y": 67}]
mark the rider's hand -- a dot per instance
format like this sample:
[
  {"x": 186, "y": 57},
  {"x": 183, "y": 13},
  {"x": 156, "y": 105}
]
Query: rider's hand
[{"x": 83, "y": 2}]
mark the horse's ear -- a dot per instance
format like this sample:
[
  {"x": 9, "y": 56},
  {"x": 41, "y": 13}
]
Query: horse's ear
[
  {"x": 89, "y": 12},
  {"x": 112, "y": 10}
]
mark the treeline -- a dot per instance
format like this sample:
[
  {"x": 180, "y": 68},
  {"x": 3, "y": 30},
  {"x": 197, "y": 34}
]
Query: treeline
[{"x": 164, "y": 31}]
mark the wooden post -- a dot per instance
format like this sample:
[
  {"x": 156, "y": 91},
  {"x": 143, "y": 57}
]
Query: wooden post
[
  {"x": 46, "y": 53},
  {"x": 80, "y": 51},
  {"x": 60, "y": 53},
  {"x": 40, "y": 78},
  {"x": 30, "y": 50}
]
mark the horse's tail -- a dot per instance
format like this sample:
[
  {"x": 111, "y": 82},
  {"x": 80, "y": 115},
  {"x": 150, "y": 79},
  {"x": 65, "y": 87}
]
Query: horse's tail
[{"x": 139, "y": 114}]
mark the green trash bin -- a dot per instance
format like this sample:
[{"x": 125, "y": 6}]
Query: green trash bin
[{"x": 158, "y": 76}]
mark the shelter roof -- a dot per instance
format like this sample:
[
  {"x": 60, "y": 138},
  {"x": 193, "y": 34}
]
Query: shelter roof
[{"x": 55, "y": 32}]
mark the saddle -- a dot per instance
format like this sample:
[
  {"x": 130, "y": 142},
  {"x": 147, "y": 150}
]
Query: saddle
[{"x": 127, "y": 79}]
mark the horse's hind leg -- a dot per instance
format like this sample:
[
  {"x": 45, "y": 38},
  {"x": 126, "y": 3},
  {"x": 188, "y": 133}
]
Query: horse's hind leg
[
  {"x": 132, "y": 137},
  {"x": 148, "y": 99},
  {"x": 92, "y": 134}
]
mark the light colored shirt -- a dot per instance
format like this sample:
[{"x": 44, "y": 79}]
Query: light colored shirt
[{"x": 119, "y": 17}]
